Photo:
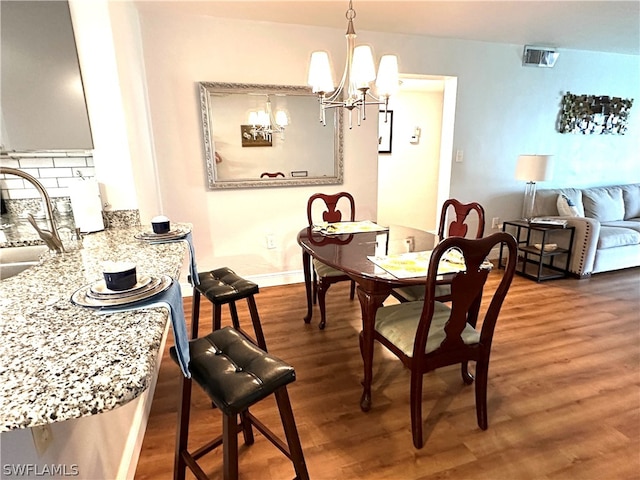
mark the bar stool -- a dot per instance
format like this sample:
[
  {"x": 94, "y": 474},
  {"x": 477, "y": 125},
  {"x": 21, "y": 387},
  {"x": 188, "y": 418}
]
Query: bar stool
[
  {"x": 221, "y": 286},
  {"x": 235, "y": 374}
]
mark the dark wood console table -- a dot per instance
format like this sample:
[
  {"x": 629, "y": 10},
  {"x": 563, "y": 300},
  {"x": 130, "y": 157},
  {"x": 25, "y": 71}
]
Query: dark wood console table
[{"x": 536, "y": 261}]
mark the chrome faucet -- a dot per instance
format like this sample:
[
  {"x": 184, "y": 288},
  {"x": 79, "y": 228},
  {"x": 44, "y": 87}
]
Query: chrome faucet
[{"x": 51, "y": 238}]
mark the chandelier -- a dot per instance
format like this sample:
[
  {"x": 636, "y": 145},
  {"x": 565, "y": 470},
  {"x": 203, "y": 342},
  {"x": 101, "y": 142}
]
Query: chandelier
[
  {"x": 354, "y": 91},
  {"x": 264, "y": 124}
]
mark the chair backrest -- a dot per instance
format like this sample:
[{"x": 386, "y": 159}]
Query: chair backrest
[
  {"x": 466, "y": 293},
  {"x": 458, "y": 228},
  {"x": 331, "y": 214}
]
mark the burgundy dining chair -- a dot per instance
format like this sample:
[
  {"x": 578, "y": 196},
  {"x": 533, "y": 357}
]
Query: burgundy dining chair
[
  {"x": 323, "y": 275},
  {"x": 426, "y": 335},
  {"x": 456, "y": 228}
]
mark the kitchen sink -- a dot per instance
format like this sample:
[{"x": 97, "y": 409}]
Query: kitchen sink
[{"x": 14, "y": 260}]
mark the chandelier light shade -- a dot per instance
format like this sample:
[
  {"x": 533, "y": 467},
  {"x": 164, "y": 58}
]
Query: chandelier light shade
[
  {"x": 320, "y": 76},
  {"x": 264, "y": 123},
  {"x": 355, "y": 89},
  {"x": 532, "y": 169},
  {"x": 387, "y": 82}
]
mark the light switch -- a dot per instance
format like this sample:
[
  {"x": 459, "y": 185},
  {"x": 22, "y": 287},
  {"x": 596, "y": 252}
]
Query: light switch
[{"x": 459, "y": 156}]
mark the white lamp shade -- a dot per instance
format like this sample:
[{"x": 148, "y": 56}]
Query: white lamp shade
[
  {"x": 320, "y": 78},
  {"x": 253, "y": 118},
  {"x": 388, "y": 81},
  {"x": 263, "y": 119},
  {"x": 534, "y": 168},
  {"x": 281, "y": 118},
  {"x": 363, "y": 69}
]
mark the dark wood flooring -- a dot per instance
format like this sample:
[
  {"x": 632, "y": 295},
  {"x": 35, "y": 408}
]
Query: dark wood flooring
[{"x": 563, "y": 400}]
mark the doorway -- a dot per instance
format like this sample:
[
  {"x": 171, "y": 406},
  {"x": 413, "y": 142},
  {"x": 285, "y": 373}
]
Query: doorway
[{"x": 414, "y": 177}]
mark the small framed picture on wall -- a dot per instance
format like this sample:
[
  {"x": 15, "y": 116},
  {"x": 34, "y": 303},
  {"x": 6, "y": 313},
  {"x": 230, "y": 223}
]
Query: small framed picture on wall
[{"x": 385, "y": 131}]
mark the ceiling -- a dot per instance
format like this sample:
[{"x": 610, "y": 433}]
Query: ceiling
[{"x": 604, "y": 26}]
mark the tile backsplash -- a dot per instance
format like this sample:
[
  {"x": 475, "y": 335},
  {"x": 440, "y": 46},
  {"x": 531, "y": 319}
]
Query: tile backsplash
[{"x": 55, "y": 171}]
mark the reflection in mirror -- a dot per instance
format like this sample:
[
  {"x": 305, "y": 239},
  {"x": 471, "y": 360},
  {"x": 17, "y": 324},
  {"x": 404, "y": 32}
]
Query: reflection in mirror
[{"x": 268, "y": 135}]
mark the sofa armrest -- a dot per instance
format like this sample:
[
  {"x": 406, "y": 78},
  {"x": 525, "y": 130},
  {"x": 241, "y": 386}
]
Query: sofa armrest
[{"x": 585, "y": 244}]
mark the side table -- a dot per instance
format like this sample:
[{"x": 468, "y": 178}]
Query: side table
[{"x": 538, "y": 263}]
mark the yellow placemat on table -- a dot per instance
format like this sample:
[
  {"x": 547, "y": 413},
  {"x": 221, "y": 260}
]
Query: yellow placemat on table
[
  {"x": 416, "y": 264},
  {"x": 339, "y": 228}
]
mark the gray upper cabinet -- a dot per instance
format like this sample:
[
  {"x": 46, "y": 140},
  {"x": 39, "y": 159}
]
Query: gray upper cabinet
[{"x": 42, "y": 102}]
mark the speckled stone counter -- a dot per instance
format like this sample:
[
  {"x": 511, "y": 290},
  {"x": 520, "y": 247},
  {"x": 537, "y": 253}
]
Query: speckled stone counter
[{"x": 62, "y": 361}]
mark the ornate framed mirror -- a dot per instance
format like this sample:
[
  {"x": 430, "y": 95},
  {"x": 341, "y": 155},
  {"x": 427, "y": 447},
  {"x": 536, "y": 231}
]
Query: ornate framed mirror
[{"x": 268, "y": 136}]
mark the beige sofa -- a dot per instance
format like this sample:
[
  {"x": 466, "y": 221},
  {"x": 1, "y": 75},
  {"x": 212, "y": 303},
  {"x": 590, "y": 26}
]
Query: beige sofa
[{"x": 607, "y": 226}]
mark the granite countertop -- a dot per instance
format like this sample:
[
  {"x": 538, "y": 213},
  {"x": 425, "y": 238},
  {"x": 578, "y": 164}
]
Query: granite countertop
[{"x": 62, "y": 361}]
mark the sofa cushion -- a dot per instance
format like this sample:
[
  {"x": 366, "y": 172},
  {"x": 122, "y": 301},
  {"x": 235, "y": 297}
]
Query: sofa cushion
[
  {"x": 631, "y": 224},
  {"x": 566, "y": 207},
  {"x": 631, "y": 197},
  {"x": 611, "y": 237},
  {"x": 603, "y": 203}
]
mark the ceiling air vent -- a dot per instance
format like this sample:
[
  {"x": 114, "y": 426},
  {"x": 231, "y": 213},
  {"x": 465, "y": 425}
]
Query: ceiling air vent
[{"x": 539, "y": 56}]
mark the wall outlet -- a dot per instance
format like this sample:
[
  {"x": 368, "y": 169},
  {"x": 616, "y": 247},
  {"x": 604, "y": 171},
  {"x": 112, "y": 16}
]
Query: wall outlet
[
  {"x": 271, "y": 241},
  {"x": 495, "y": 222},
  {"x": 42, "y": 438}
]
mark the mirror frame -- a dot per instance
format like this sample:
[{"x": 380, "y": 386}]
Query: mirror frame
[{"x": 209, "y": 149}]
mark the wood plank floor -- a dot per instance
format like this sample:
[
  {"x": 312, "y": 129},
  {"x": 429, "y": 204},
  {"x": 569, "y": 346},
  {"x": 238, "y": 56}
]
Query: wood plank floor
[{"x": 564, "y": 393}]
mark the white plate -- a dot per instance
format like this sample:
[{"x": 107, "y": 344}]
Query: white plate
[
  {"x": 158, "y": 237},
  {"x": 81, "y": 298},
  {"x": 153, "y": 283},
  {"x": 100, "y": 287}
]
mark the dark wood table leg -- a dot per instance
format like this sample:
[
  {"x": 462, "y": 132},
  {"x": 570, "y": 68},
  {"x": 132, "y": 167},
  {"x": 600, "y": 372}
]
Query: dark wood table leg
[
  {"x": 370, "y": 301},
  {"x": 306, "y": 266}
]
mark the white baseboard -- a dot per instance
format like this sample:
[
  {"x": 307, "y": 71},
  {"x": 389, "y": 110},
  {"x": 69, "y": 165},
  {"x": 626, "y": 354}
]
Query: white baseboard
[
  {"x": 263, "y": 280},
  {"x": 276, "y": 279}
]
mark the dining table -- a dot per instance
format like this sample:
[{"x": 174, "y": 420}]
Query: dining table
[{"x": 360, "y": 254}]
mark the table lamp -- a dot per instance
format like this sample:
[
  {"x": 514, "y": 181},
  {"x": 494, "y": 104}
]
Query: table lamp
[{"x": 532, "y": 169}]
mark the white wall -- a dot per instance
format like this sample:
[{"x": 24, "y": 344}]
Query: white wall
[
  {"x": 503, "y": 110},
  {"x": 230, "y": 226},
  {"x": 412, "y": 167},
  {"x": 112, "y": 153}
]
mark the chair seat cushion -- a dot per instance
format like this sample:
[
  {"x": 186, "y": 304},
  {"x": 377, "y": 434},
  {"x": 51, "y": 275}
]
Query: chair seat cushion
[
  {"x": 233, "y": 371},
  {"x": 222, "y": 285},
  {"x": 399, "y": 323},
  {"x": 324, "y": 270},
  {"x": 415, "y": 293}
]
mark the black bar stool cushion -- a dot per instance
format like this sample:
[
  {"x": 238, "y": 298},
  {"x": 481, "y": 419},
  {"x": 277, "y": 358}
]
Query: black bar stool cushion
[
  {"x": 233, "y": 371},
  {"x": 222, "y": 285}
]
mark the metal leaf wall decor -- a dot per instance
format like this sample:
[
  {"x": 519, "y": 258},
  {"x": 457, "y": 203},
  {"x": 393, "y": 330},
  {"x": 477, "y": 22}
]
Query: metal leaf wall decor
[{"x": 591, "y": 114}]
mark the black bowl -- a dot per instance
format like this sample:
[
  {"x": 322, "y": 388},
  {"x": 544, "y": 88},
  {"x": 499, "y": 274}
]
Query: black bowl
[
  {"x": 123, "y": 280},
  {"x": 161, "y": 227}
]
